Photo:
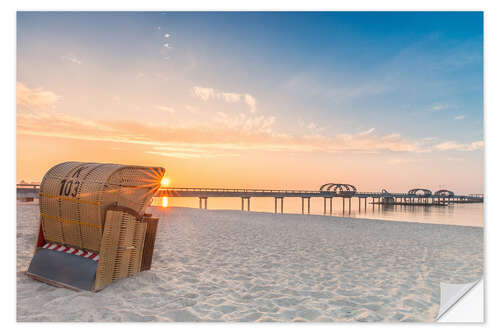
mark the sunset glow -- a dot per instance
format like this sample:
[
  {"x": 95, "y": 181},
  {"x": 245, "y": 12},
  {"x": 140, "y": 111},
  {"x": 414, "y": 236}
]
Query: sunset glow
[
  {"x": 165, "y": 182},
  {"x": 164, "y": 202}
]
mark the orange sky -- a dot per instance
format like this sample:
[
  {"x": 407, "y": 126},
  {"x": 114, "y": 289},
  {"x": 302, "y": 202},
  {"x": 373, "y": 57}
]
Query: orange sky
[{"x": 302, "y": 170}]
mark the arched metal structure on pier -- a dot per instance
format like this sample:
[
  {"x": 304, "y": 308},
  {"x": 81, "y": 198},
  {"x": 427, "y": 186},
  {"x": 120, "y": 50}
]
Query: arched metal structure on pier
[
  {"x": 386, "y": 193},
  {"x": 444, "y": 193},
  {"x": 420, "y": 191},
  {"x": 340, "y": 189}
]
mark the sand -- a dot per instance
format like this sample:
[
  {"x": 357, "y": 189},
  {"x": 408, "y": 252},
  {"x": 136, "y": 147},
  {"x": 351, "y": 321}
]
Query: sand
[{"x": 246, "y": 266}]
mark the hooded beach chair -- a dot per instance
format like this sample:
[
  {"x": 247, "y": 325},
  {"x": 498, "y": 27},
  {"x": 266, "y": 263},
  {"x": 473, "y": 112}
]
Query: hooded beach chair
[{"x": 93, "y": 229}]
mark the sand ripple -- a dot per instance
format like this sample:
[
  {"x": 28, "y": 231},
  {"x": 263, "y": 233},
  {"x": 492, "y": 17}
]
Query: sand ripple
[{"x": 239, "y": 266}]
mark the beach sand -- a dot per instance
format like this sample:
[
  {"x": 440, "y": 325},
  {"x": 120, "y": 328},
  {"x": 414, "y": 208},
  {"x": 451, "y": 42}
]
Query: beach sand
[{"x": 246, "y": 266}]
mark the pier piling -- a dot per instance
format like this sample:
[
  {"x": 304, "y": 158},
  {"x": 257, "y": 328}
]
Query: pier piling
[{"x": 308, "y": 205}]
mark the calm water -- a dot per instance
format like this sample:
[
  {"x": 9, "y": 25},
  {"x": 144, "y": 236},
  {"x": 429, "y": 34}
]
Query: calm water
[{"x": 457, "y": 214}]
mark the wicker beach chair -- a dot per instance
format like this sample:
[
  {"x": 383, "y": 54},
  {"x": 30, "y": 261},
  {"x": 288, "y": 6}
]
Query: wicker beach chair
[{"x": 93, "y": 229}]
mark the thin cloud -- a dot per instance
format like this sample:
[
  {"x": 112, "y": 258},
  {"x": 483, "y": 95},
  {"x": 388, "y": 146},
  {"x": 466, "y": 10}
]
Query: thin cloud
[
  {"x": 246, "y": 123},
  {"x": 251, "y": 102},
  {"x": 399, "y": 161},
  {"x": 59, "y": 123},
  {"x": 370, "y": 131},
  {"x": 72, "y": 59},
  {"x": 206, "y": 94},
  {"x": 393, "y": 136},
  {"x": 311, "y": 126},
  {"x": 459, "y": 117},
  {"x": 165, "y": 108},
  {"x": 34, "y": 99},
  {"x": 225, "y": 134},
  {"x": 231, "y": 97},
  {"x": 188, "y": 153},
  {"x": 439, "y": 107},
  {"x": 452, "y": 145}
]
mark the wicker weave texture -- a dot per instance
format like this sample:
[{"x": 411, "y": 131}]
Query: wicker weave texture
[
  {"x": 109, "y": 250},
  {"x": 74, "y": 197},
  {"x": 121, "y": 246},
  {"x": 138, "y": 248},
  {"x": 149, "y": 242}
]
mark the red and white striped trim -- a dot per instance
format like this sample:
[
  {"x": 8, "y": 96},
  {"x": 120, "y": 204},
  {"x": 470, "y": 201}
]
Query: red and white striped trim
[{"x": 70, "y": 250}]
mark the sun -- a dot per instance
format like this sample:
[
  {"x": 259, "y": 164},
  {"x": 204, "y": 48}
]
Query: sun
[{"x": 165, "y": 182}]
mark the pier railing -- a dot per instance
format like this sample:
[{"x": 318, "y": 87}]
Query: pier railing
[
  {"x": 256, "y": 190},
  {"x": 30, "y": 186},
  {"x": 238, "y": 192}
]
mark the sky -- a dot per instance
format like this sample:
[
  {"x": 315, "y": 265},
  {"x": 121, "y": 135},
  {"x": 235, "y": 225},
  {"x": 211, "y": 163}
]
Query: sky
[{"x": 277, "y": 100}]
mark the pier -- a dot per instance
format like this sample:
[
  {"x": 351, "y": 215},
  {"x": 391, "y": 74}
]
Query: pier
[
  {"x": 328, "y": 192},
  {"x": 27, "y": 192}
]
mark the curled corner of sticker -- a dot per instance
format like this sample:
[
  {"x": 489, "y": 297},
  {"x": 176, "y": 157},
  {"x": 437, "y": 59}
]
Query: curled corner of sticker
[{"x": 451, "y": 295}]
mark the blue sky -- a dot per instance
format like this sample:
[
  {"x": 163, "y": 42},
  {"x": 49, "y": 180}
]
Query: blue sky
[{"x": 411, "y": 80}]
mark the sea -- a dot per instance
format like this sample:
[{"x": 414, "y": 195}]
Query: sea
[{"x": 464, "y": 214}]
